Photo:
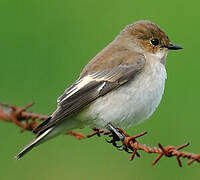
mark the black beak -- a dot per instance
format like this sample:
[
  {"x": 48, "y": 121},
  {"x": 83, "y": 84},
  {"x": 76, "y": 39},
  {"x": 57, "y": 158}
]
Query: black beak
[{"x": 174, "y": 47}]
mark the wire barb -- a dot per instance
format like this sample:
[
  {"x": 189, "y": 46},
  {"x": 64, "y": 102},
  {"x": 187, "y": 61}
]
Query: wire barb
[{"x": 29, "y": 120}]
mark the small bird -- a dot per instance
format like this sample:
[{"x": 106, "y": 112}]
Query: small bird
[{"x": 120, "y": 87}]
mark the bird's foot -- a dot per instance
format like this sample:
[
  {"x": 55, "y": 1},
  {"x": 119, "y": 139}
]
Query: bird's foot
[
  {"x": 127, "y": 141},
  {"x": 117, "y": 135}
]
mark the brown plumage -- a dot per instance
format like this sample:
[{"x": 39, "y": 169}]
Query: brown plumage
[{"x": 143, "y": 31}]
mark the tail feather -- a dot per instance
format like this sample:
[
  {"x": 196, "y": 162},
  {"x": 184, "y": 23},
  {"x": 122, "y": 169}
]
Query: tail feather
[
  {"x": 33, "y": 143},
  {"x": 41, "y": 125}
]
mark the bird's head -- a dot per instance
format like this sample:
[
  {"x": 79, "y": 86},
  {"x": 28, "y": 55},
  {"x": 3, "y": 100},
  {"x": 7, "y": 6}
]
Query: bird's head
[{"x": 149, "y": 37}]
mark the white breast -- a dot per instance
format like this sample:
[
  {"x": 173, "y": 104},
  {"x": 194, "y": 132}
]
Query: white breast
[{"x": 131, "y": 103}]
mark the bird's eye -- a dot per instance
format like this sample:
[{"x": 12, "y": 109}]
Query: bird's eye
[{"x": 155, "y": 42}]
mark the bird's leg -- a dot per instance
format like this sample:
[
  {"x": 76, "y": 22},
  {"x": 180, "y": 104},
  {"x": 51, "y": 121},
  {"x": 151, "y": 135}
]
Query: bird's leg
[{"x": 117, "y": 135}]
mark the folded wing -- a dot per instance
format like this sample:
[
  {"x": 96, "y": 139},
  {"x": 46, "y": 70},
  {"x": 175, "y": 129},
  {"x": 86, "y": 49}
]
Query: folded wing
[{"x": 90, "y": 87}]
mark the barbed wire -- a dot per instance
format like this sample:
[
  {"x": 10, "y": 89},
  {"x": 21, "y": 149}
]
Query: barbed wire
[{"x": 29, "y": 120}]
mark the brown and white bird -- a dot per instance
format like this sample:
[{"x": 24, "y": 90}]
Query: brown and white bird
[{"x": 121, "y": 86}]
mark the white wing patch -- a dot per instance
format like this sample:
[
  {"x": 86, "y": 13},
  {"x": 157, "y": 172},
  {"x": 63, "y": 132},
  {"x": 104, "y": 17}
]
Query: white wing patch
[
  {"x": 86, "y": 80},
  {"x": 80, "y": 84},
  {"x": 101, "y": 87},
  {"x": 99, "y": 76}
]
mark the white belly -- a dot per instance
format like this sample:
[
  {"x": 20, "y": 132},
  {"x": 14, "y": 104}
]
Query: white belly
[{"x": 131, "y": 103}]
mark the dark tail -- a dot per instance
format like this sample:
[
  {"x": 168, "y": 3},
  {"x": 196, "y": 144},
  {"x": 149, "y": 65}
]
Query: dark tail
[
  {"x": 41, "y": 125},
  {"x": 33, "y": 143}
]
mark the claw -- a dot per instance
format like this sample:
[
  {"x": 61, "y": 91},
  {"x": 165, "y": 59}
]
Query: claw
[
  {"x": 109, "y": 141},
  {"x": 118, "y": 135},
  {"x": 113, "y": 143},
  {"x": 120, "y": 148},
  {"x": 124, "y": 148},
  {"x": 127, "y": 150}
]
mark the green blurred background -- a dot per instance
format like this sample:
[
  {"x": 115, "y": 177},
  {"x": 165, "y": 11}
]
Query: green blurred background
[{"x": 45, "y": 44}]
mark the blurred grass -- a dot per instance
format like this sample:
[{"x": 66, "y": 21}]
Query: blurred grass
[{"x": 45, "y": 44}]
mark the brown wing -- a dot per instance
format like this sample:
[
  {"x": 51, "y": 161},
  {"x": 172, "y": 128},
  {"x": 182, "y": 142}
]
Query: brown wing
[{"x": 90, "y": 87}]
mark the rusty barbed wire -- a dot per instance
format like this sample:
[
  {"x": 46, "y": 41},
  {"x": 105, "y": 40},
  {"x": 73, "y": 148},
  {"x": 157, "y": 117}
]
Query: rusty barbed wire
[
  {"x": 19, "y": 116},
  {"x": 26, "y": 120},
  {"x": 29, "y": 120}
]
